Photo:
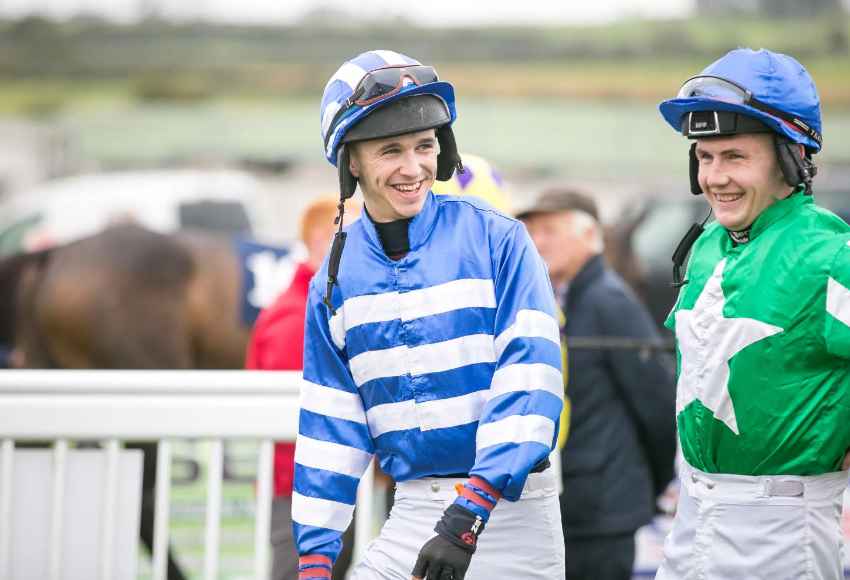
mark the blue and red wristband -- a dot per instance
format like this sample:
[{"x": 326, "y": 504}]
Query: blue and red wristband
[
  {"x": 314, "y": 566},
  {"x": 477, "y": 496}
]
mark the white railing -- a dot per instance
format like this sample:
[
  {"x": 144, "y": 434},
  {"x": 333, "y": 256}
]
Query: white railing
[{"x": 112, "y": 406}]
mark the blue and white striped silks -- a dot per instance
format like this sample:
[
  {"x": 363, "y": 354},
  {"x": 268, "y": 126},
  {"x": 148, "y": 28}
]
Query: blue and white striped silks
[{"x": 446, "y": 361}]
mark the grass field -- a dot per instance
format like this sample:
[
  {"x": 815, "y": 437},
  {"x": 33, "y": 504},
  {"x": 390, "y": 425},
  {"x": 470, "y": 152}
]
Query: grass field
[{"x": 620, "y": 139}]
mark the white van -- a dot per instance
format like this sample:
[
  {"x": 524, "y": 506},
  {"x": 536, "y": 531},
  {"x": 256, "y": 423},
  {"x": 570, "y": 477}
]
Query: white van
[{"x": 65, "y": 210}]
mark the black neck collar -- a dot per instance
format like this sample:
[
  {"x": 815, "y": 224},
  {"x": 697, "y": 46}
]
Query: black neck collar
[{"x": 394, "y": 237}]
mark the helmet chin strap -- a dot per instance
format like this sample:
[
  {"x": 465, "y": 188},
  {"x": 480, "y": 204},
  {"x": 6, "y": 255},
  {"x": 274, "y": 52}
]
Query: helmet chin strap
[
  {"x": 347, "y": 187},
  {"x": 682, "y": 250}
]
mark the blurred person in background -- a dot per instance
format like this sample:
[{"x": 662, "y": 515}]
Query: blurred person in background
[
  {"x": 619, "y": 454},
  {"x": 277, "y": 344},
  {"x": 431, "y": 343},
  {"x": 762, "y": 326}
]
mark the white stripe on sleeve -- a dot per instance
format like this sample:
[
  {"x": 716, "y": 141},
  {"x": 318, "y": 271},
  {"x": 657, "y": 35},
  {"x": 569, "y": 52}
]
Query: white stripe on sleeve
[
  {"x": 838, "y": 300},
  {"x": 331, "y": 456},
  {"x": 527, "y": 377},
  {"x": 516, "y": 429},
  {"x": 321, "y": 513},
  {"x": 529, "y": 324},
  {"x": 332, "y": 402}
]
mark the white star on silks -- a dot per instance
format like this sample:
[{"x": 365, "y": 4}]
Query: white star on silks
[{"x": 707, "y": 342}]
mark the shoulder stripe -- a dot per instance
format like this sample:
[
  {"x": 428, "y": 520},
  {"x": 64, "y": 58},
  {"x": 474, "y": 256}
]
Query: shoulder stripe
[
  {"x": 321, "y": 513},
  {"x": 330, "y": 456},
  {"x": 529, "y": 324},
  {"x": 527, "y": 377},
  {"x": 332, "y": 402},
  {"x": 838, "y": 300},
  {"x": 516, "y": 429}
]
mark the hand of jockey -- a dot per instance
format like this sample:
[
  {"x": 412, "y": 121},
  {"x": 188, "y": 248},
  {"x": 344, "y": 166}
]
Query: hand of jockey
[
  {"x": 446, "y": 556},
  {"x": 314, "y": 566}
]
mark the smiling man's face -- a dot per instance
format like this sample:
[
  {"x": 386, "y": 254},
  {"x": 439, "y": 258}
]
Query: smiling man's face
[
  {"x": 740, "y": 177},
  {"x": 395, "y": 173}
]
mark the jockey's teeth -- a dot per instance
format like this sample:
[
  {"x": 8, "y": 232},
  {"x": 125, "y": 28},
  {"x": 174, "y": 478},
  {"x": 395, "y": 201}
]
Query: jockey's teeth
[
  {"x": 408, "y": 188},
  {"x": 728, "y": 196}
]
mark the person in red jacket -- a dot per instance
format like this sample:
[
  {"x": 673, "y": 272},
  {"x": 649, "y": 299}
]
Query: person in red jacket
[{"x": 277, "y": 343}]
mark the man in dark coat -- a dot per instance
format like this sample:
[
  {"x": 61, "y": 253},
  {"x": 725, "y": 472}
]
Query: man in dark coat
[{"x": 620, "y": 451}]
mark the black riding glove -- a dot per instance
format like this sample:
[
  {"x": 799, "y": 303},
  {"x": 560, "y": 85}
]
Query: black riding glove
[{"x": 446, "y": 556}]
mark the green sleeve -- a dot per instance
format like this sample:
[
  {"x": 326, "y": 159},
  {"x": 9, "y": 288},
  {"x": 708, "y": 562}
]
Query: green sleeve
[{"x": 837, "y": 319}]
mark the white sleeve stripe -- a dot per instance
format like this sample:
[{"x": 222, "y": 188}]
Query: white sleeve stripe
[
  {"x": 422, "y": 360},
  {"x": 527, "y": 377},
  {"x": 529, "y": 324},
  {"x": 332, "y": 402},
  {"x": 838, "y": 300},
  {"x": 516, "y": 429},
  {"x": 335, "y": 325},
  {"x": 405, "y": 306},
  {"x": 330, "y": 456},
  {"x": 321, "y": 513}
]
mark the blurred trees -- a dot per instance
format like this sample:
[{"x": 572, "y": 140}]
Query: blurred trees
[{"x": 771, "y": 8}]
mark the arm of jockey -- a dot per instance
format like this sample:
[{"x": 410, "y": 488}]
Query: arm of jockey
[
  {"x": 333, "y": 447},
  {"x": 518, "y": 427},
  {"x": 837, "y": 316},
  {"x": 519, "y": 423}
]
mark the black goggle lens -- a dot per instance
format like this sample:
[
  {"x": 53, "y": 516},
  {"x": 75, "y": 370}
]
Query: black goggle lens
[{"x": 386, "y": 81}]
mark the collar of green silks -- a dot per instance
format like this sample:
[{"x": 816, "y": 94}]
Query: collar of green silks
[{"x": 776, "y": 211}]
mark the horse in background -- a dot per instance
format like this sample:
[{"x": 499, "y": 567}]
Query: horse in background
[{"x": 130, "y": 298}]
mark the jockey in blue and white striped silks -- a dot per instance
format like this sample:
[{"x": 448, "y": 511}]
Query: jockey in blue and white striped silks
[{"x": 447, "y": 361}]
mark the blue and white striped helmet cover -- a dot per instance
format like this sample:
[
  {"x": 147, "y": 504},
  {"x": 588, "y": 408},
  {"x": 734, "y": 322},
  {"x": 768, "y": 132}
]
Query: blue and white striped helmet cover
[{"x": 342, "y": 84}]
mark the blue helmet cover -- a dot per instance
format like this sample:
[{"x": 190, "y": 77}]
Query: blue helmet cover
[
  {"x": 343, "y": 83},
  {"x": 774, "y": 79}
]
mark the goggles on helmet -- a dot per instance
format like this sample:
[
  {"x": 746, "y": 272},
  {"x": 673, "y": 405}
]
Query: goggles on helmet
[
  {"x": 383, "y": 83},
  {"x": 720, "y": 89}
]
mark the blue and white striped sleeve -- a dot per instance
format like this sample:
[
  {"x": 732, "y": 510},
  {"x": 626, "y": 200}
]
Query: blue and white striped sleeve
[
  {"x": 519, "y": 423},
  {"x": 333, "y": 447}
]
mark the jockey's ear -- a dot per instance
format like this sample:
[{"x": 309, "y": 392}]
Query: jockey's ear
[{"x": 353, "y": 160}]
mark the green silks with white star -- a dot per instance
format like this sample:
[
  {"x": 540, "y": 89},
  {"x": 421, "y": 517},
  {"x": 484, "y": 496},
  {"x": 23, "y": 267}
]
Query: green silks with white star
[{"x": 763, "y": 343}]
